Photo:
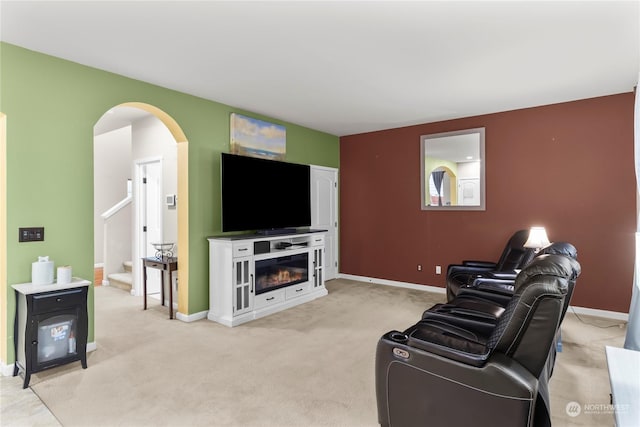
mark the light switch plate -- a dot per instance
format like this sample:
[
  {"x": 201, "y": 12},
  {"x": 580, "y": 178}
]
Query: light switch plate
[{"x": 31, "y": 234}]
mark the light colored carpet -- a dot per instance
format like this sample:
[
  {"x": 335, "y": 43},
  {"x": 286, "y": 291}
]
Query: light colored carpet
[
  {"x": 21, "y": 407},
  {"x": 312, "y": 365}
]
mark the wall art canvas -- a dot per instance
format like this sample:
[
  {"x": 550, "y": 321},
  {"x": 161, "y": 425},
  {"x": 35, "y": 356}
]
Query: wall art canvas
[{"x": 257, "y": 138}]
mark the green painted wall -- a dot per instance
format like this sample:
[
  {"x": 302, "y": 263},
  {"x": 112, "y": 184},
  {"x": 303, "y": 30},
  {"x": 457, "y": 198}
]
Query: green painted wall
[{"x": 51, "y": 107}]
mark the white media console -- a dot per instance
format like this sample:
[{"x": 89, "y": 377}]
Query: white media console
[{"x": 252, "y": 276}]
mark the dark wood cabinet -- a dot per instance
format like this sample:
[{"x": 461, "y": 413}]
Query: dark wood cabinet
[{"x": 51, "y": 326}]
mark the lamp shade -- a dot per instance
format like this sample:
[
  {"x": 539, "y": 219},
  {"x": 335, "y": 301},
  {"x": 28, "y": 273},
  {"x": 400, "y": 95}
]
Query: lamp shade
[{"x": 537, "y": 238}]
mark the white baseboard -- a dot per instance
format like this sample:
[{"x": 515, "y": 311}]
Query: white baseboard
[
  {"x": 7, "y": 370},
  {"x": 614, "y": 315},
  {"x": 192, "y": 317},
  {"x": 426, "y": 288}
]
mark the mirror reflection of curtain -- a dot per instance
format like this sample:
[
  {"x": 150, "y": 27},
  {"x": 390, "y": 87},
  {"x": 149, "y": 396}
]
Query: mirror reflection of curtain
[{"x": 437, "y": 177}]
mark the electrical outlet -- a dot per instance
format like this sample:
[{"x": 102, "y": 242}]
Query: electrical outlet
[
  {"x": 438, "y": 269},
  {"x": 419, "y": 267}
]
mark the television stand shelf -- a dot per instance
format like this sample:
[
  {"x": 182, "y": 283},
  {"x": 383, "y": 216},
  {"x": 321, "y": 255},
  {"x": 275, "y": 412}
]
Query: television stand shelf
[{"x": 252, "y": 276}]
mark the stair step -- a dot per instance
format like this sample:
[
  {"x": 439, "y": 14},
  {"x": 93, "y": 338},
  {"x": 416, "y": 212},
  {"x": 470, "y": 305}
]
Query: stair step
[
  {"x": 128, "y": 266},
  {"x": 121, "y": 280}
]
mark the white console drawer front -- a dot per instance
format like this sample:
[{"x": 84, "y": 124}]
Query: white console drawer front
[
  {"x": 317, "y": 240},
  {"x": 242, "y": 249},
  {"x": 269, "y": 298},
  {"x": 297, "y": 290}
]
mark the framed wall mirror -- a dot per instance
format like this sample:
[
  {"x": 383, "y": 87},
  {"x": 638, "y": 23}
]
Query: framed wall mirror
[{"x": 452, "y": 170}]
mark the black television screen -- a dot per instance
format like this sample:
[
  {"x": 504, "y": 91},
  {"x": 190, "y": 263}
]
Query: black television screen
[{"x": 260, "y": 194}]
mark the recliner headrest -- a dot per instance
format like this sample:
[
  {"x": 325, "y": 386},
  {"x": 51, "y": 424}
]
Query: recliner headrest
[
  {"x": 560, "y": 248},
  {"x": 548, "y": 265}
]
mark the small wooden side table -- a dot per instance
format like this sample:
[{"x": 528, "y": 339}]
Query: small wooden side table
[{"x": 165, "y": 265}]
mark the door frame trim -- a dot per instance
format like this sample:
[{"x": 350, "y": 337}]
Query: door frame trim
[
  {"x": 136, "y": 289},
  {"x": 336, "y": 199}
]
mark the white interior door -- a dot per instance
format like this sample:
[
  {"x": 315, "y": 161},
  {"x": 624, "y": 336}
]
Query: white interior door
[
  {"x": 324, "y": 213},
  {"x": 469, "y": 191},
  {"x": 151, "y": 204}
]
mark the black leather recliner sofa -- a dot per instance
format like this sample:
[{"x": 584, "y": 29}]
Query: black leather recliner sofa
[
  {"x": 499, "y": 287},
  {"x": 514, "y": 256},
  {"x": 441, "y": 374},
  {"x": 479, "y": 305},
  {"x": 482, "y": 301}
]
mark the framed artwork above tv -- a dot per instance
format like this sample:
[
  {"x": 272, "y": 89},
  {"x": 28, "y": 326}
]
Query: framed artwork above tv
[{"x": 257, "y": 138}]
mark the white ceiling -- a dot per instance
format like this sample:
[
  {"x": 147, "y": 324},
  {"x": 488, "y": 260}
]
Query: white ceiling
[{"x": 347, "y": 67}]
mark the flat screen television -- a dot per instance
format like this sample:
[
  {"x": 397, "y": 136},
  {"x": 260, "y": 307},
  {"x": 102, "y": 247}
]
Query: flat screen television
[{"x": 264, "y": 195}]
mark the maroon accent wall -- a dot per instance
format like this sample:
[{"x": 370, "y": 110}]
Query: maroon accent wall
[{"x": 568, "y": 167}]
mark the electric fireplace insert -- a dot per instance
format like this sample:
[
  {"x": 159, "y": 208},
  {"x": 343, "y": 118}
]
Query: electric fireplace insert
[{"x": 276, "y": 273}]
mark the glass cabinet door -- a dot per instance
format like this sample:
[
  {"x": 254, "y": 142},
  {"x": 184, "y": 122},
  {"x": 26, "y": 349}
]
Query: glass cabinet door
[
  {"x": 243, "y": 285},
  {"x": 56, "y": 338},
  {"x": 318, "y": 267}
]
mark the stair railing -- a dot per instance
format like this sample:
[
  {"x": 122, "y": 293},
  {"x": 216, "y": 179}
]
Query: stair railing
[{"x": 117, "y": 236}]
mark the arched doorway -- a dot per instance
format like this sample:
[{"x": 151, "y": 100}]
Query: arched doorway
[
  {"x": 442, "y": 186},
  {"x": 182, "y": 197}
]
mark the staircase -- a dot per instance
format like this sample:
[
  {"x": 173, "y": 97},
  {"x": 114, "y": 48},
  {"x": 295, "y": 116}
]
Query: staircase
[{"x": 122, "y": 280}]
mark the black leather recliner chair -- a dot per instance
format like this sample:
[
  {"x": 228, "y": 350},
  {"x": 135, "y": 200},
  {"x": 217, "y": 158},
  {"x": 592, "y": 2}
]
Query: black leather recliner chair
[
  {"x": 514, "y": 256},
  {"x": 438, "y": 373}
]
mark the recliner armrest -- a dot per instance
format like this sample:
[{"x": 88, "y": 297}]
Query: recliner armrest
[
  {"x": 503, "y": 275},
  {"x": 470, "y": 307},
  {"x": 481, "y": 264},
  {"x": 482, "y": 325},
  {"x": 474, "y": 315},
  {"x": 503, "y": 286},
  {"x": 448, "y": 341},
  {"x": 454, "y": 270}
]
